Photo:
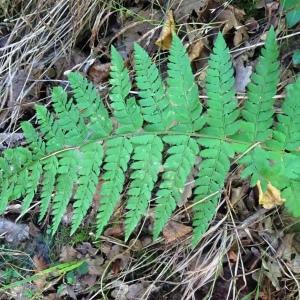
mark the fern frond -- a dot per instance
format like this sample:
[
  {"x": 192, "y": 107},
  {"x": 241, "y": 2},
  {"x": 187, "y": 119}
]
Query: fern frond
[
  {"x": 181, "y": 158},
  {"x": 7, "y": 187},
  {"x": 213, "y": 172},
  {"x": 126, "y": 111},
  {"x": 53, "y": 135},
  {"x": 286, "y": 139},
  {"x": 67, "y": 175},
  {"x": 91, "y": 107},
  {"x": 291, "y": 194},
  {"x": 221, "y": 121},
  {"x": 287, "y": 131},
  {"x": 35, "y": 173},
  {"x": 34, "y": 141},
  {"x": 14, "y": 175},
  {"x": 64, "y": 154},
  {"x": 146, "y": 165},
  {"x": 154, "y": 104},
  {"x": 258, "y": 109},
  {"x": 89, "y": 169},
  {"x": 182, "y": 90},
  {"x": 69, "y": 118},
  {"x": 50, "y": 169},
  {"x": 117, "y": 155}
]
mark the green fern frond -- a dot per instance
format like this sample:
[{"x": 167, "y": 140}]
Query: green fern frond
[
  {"x": 91, "y": 107},
  {"x": 125, "y": 109},
  {"x": 14, "y": 162},
  {"x": 286, "y": 140},
  {"x": 80, "y": 142},
  {"x": 53, "y": 135},
  {"x": 258, "y": 109},
  {"x": 117, "y": 155},
  {"x": 181, "y": 158},
  {"x": 182, "y": 90},
  {"x": 66, "y": 177},
  {"x": 146, "y": 164},
  {"x": 69, "y": 118},
  {"x": 287, "y": 131},
  {"x": 35, "y": 143},
  {"x": 154, "y": 104},
  {"x": 6, "y": 194},
  {"x": 291, "y": 194},
  {"x": 50, "y": 169},
  {"x": 35, "y": 173},
  {"x": 221, "y": 121},
  {"x": 89, "y": 169}
]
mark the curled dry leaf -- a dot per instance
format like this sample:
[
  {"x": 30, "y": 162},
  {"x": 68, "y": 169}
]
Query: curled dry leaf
[
  {"x": 68, "y": 253},
  {"x": 175, "y": 231},
  {"x": 116, "y": 231},
  {"x": 95, "y": 266},
  {"x": 232, "y": 256},
  {"x": 273, "y": 272},
  {"x": 123, "y": 291},
  {"x": 140, "y": 29},
  {"x": 184, "y": 8},
  {"x": 98, "y": 72},
  {"x": 271, "y": 197},
  {"x": 232, "y": 17},
  {"x": 196, "y": 49},
  {"x": 165, "y": 39}
]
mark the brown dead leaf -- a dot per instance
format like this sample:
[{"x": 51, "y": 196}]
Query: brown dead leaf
[
  {"x": 174, "y": 231},
  {"x": 67, "y": 291},
  {"x": 165, "y": 39},
  {"x": 116, "y": 266},
  {"x": 88, "y": 280},
  {"x": 196, "y": 49},
  {"x": 95, "y": 266},
  {"x": 271, "y": 197},
  {"x": 252, "y": 25},
  {"x": 289, "y": 250},
  {"x": 68, "y": 253},
  {"x": 232, "y": 256},
  {"x": 116, "y": 231},
  {"x": 40, "y": 265},
  {"x": 273, "y": 272},
  {"x": 86, "y": 248},
  {"x": 123, "y": 291},
  {"x": 184, "y": 8},
  {"x": 232, "y": 17},
  {"x": 138, "y": 26},
  {"x": 98, "y": 72}
]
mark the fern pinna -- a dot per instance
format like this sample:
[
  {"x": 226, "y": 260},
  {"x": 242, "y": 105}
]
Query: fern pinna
[{"x": 150, "y": 142}]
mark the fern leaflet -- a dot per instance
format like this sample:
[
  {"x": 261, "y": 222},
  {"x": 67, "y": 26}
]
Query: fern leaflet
[
  {"x": 146, "y": 164},
  {"x": 221, "y": 122},
  {"x": 118, "y": 152},
  {"x": 126, "y": 111}
]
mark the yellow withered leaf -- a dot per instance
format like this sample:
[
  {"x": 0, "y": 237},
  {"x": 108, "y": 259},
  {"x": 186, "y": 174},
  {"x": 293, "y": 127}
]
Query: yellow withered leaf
[
  {"x": 165, "y": 39},
  {"x": 271, "y": 197}
]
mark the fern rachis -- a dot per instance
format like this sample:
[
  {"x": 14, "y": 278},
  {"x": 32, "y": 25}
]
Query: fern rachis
[{"x": 154, "y": 140}]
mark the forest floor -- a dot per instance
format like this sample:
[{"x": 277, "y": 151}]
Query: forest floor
[{"x": 249, "y": 251}]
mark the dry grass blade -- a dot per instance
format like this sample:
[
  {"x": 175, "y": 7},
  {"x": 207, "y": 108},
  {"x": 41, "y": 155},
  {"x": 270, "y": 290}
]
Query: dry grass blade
[{"x": 40, "y": 34}]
